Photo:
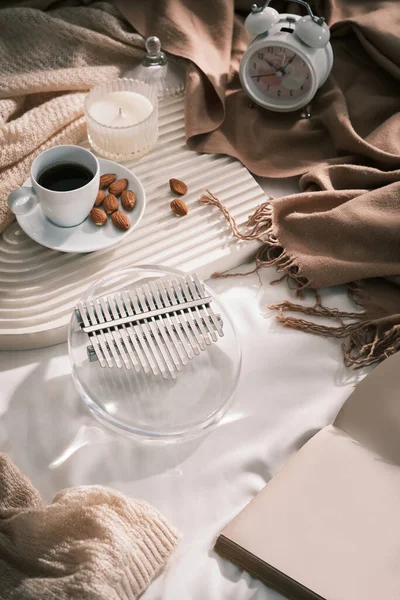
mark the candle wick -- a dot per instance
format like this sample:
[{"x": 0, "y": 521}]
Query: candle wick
[{"x": 120, "y": 112}]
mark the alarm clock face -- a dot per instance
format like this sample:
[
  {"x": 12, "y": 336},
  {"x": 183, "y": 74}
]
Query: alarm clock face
[{"x": 279, "y": 74}]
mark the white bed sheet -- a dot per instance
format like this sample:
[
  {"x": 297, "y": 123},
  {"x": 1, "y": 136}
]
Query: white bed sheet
[{"x": 291, "y": 385}]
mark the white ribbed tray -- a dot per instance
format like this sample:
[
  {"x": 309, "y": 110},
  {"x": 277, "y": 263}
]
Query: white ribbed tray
[{"x": 39, "y": 287}]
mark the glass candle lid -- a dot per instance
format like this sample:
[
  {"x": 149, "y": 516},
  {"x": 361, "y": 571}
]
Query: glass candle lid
[
  {"x": 145, "y": 405},
  {"x": 163, "y": 73}
]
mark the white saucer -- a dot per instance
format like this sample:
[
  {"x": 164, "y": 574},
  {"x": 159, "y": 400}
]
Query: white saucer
[{"x": 86, "y": 237}]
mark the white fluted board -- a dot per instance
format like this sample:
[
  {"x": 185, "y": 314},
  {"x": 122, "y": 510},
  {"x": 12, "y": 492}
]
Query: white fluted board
[{"x": 39, "y": 287}]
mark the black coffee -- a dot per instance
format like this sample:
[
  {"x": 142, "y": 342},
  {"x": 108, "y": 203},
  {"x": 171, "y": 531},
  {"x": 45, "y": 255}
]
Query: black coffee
[{"x": 64, "y": 177}]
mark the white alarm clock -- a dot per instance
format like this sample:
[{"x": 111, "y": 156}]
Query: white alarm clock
[{"x": 288, "y": 59}]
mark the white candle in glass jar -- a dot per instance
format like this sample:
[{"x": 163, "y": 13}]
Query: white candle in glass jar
[
  {"x": 121, "y": 109},
  {"x": 122, "y": 118}
]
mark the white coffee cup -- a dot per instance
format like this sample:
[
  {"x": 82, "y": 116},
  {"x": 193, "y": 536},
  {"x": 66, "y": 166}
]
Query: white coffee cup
[{"x": 66, "y": 209}]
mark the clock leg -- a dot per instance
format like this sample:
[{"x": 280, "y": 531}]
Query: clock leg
[{"x": 306, "y": 112}]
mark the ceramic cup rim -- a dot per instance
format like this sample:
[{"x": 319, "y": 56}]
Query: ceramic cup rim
[{"x": 50, "y": 150}]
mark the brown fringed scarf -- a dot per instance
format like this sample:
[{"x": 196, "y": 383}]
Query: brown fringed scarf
[{"x": 371, "y": 335}]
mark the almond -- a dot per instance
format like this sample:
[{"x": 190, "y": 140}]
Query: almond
[
  {"x": 98, "y": 216},
  {"x": 117, "y": 187},
  {"x": 120, "y": 220},
  {"x": 178, "y": 187},
  {"x": 179, "y": 207},
  {"x": 107, "y": 179},
  {"x": 110, "y": 204},
  {"x": 99, "y": 198},
  {"x": 128, "y": 199}
]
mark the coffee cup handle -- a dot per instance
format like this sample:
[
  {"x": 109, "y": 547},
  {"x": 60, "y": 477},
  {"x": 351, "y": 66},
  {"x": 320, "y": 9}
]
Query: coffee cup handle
[{"x": 22, "y": 200}]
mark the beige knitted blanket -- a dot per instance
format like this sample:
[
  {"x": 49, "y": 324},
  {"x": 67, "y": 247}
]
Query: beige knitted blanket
[
  {"x": 47, "y": 59},
  {"x": 90, "y": 543}
]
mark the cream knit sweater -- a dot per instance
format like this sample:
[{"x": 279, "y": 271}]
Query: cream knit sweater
[
  {"x": 46, "y": 60},
  {"x": 90, "y": 543}
]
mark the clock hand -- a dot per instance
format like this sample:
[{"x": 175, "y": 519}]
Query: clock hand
[
  {"x": 288, "y": 63},
  {"x": 270, "y": 64}
]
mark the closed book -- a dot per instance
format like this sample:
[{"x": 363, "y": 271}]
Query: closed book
[{"x": 327, "y": 526}]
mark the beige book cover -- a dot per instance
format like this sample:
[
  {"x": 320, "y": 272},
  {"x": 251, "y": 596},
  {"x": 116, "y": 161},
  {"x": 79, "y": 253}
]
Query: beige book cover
[{"x": 327, "y": 526}]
